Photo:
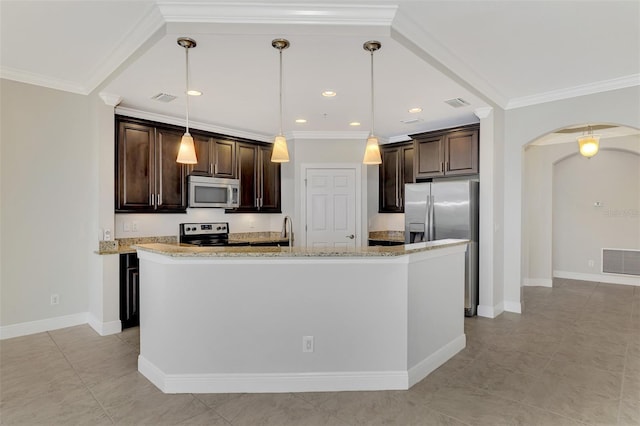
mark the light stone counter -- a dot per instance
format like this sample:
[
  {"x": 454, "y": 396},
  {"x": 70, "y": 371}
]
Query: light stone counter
[{"x": 183, "y": 250}]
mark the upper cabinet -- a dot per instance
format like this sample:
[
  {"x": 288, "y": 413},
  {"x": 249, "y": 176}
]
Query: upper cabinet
[
  {"x": 148, "y": 179},
  {"x": 259, "y": 179},
  {"x": 396, "y": 170},
  {"x": 449, "y": 152},
  {"x": 216, "y": 157}
]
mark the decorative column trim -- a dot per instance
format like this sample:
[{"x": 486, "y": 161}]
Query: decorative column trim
[
  {"x": 483, "y": 112},
  {"x": 110, "y": 99}
]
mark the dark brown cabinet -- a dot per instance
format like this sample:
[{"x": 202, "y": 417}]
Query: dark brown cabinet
[
  {"x": 216, "y": 157},
  {"x": 129, "y": 290},
  {"x": 396, "y": 170},
  {"x": 259, "y": 179},
  {"x": 148, "y": 179},
  {"x": 448, "y": 152}
]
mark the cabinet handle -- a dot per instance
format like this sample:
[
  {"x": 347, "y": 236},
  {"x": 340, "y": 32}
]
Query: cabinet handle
[
  {"x": 447, "y": 167},
  {"x": 210, "y": 168},
  {"x": 215, "y": 169},
  {"x": 159, "y": 199},
  {"x": 442, "y": 167},
  {"x": 152, "y": 196}
]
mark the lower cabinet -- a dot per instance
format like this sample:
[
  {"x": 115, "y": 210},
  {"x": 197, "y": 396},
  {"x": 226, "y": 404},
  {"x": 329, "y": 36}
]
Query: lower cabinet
[{"x": 129, "y": 290}]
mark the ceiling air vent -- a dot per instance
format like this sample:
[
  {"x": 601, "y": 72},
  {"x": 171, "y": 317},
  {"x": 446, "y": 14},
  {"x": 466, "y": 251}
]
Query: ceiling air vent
[
  {"x": 457, "y": 102},
  {"x": 163, "y": 97}
]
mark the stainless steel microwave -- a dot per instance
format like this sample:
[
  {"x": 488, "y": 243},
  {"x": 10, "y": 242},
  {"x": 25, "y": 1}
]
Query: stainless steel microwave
[{"x": 213, "y": 192}]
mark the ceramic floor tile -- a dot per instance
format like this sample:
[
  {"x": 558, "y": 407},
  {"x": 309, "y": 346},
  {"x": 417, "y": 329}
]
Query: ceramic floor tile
[
  {"x": 274, "y": 409},
  {"x": 525, "y": 415},
  {"x": 596, "y": 358},
  {"x": 629, "y": 413},
  {"x": 32, "y": 383},
  {"x": 208, "y": 418},
  {"x": 497, "y": 380},
  {"x": 557, "y": 394},
  {"x": 214, "y": 400},
  {"x": 602, "y": 382}
]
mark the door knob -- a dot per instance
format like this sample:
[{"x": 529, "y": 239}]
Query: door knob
[{"x": 351, "y": 237}]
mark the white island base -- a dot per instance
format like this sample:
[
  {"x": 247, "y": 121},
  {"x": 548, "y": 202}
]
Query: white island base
[{"x": 219, "y": 324}]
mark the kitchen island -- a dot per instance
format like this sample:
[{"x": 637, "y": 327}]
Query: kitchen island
[{"x": 272, "y": 319}]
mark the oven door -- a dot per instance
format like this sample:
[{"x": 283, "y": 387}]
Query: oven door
[{"x": 213, "y": 192}]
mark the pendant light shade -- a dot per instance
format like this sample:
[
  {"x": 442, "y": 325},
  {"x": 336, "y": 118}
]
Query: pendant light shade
[
  {"x": 372, "y": 150},
  {"x": 588, "y": 143},
  {"x": 280, "y": 153},
  {"x": 187, "y": 151}
]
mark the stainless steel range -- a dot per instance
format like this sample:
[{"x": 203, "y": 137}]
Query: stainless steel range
[{"x": 205, "y": 234}]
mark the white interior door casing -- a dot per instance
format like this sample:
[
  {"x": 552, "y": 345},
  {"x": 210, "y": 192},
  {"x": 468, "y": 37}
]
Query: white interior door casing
[{"x": 331, "y": 216}]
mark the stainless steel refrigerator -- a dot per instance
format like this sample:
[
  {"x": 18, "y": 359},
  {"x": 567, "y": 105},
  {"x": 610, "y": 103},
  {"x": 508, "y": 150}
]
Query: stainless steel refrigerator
[{"x": 446, "y": 209}]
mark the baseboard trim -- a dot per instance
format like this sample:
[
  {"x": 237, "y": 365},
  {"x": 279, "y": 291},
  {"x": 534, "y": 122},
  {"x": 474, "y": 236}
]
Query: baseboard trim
[
  {"x": 537, "y": 282},
  {"x": 272, "y": 383},
  {"x": 435, "y": 360},
  {"x": 487, "y": 311},
  {"x": 104, "y": 328},
  {"x": 39, "y": 326},
  {"x": 600, "y": 278},
  {"x": 515, "y": 307}
]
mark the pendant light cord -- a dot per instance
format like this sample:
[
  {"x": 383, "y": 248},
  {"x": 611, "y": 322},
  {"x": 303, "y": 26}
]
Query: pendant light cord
[
  {"x": 187, "y": 91},
  {"x": 280, "y": 91},
  {"x": 372, "y": 93}
]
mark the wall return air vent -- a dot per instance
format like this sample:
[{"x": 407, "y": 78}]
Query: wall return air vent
[
  {"x": 621, "y": 261},
  {"x": 163, "y": 97}
]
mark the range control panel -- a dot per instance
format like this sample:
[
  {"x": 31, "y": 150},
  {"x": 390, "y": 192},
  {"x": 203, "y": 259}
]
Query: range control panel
[{"x": 204, "y": 228}]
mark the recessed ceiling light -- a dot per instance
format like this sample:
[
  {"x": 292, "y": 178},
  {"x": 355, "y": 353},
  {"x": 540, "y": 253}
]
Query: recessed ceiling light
[
  {"x": 194, "y": 92},
  {"x": 329, "y": 93},
  {"x": 415, "y": 110},
  {"x": 301, "y": 121},
  {"x": 354, "y": 123}
]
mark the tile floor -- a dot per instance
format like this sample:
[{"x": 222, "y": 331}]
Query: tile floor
[{"x": 573, "y": 357}]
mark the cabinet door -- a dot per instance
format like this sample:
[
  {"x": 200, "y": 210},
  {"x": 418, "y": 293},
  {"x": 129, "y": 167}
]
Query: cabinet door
[
  {"x": 247, "y": 167},
  {"x": 270, "y": 198},
  {"x": 171, "y": 192},
  {"x": 407, "y": 170},
  {"x": 462, "y": 153},
  {"x": 129, "y": 290},
  {"x": 225, "y": 158},
  {"x": 204, "y": 155},
  {"x": 429, "y": 155},
  {"x": 135, "y": 171},
  {"x": 389, "y": 181}
]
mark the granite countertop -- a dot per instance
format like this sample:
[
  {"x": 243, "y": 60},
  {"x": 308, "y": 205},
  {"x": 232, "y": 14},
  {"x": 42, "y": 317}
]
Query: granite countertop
[
  {"x": 126, "y": 245},
  {"x": 184, "y": 250},
  {"x": 395, "y": 236}
]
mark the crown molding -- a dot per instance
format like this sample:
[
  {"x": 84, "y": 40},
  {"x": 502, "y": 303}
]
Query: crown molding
[
  {"x": 285, "y": 13},
  {"x": 110, "y": 99},
  {"x": 41, "y": 80},
  {"x": 482, "y": 112},
  {"x": 399, "y": 138},
  {"x": 572, "y": 92},
  {"x": 161, "y": 118},
  {"x": 417, "y": 39}
]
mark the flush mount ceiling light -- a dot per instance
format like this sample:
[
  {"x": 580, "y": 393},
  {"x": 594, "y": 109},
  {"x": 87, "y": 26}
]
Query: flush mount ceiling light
[
  {"x": 187, "y": 151},
  {"x": 588, "y": 143},
  {"x": 301, "y": 121},
  {"x": 354, "y": 123},
  {"x": 415, "y": 110},
  {"x": 329, "y": 93},
  {"x": 280, "y": 152},
  {"x": 193, "y": 92},
  {"x": 372, "y": 150}
]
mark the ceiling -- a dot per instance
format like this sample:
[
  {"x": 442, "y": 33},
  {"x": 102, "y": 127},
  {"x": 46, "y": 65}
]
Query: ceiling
[{"x": 490, "y": 53}]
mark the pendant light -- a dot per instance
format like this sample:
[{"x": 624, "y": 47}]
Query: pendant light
[
  {"x": 372, "y": 150},
  {"x": 588, "y": 143},
  {"x": 280, "y": 153},
  {"x": 187, "y": 151}
]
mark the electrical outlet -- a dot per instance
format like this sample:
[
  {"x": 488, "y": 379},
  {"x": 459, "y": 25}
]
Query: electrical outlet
[
  {"x": 55, "y": 299},
  {"x": 591, "y": 263},
  {"x": 134, "y": 226},
  {"x": 106, "y": 235},
  {"x": 307, "y": 343}
]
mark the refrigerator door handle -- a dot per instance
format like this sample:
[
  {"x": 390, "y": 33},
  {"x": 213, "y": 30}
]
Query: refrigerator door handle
[
  {"x": 432, "y": 225},
  {"x": 427, "y": 232}
]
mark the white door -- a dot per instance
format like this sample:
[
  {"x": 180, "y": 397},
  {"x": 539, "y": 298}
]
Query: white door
[{"x": 331, "y": 208}]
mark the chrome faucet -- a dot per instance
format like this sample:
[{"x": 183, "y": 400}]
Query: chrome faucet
[{"x": 289, "y": 233}]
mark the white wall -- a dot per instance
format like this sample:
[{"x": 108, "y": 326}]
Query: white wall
[
  {"x": 46, "y": 198},
  {"x": 539, "y": 207},
  {"x": 580, "y": 229},
  {"x": 524, "y": 125}
]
